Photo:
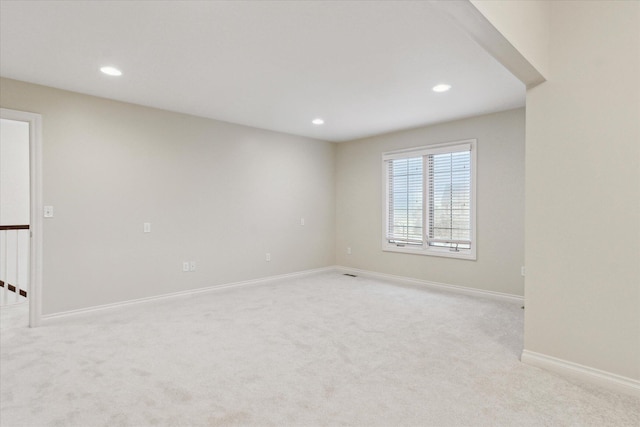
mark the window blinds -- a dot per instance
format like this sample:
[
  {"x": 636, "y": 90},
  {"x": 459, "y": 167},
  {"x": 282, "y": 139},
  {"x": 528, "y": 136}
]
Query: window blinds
[
  {"x": 429, "y": 197},
  {"x": 449, "y": 200},
  {"x": 405, "y": 197}
]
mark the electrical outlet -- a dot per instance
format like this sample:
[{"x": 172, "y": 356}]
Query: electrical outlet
[
  {"x": 147, "y": 227},
  {"x": 522, "y": 270},
  {"x": 267, "y": 257},
  {"x": 348, "y": 251},
  {"x": 192, "y": 266},
  {"x": 185, "y": 266},
  {"x": 48, "y": 211},
  {"x": 301, "y": 221}
]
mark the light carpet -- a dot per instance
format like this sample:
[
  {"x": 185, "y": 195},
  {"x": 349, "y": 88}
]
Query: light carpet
[{"x": 325, "y": 350}]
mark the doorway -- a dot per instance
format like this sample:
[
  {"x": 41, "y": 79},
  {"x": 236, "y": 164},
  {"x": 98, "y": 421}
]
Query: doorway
[{"x": 20, "y": 221}]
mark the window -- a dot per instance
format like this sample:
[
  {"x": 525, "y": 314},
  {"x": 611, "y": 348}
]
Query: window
[{"x": 430, "y": 200}]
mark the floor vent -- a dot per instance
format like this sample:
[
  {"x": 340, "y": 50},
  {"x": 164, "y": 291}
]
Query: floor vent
[{"x": 350, "y": 275}]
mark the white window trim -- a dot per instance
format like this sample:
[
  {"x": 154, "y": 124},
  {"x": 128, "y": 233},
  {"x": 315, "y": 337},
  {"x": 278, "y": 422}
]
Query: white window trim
[{"x": 425, "y": 249}]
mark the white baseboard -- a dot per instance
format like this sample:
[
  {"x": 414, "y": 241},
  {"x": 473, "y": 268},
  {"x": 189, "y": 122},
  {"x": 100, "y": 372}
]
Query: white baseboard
[
  {"x": 372, "y": 274},
  {"x": 435, "y": 285},
  {"x": 213, "y": 288},
  {"x": 584, "y": 373},
  {"x": 560, "y": 366}
]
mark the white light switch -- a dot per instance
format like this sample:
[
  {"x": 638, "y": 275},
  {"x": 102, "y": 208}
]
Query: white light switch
[
  {"x": 301, "y": 221},
  {"x": 185, "y": 266},
  {"x": 48, "y": 211},
  {"x": 267, "y": 257},
  {"x": 147, "y": 227}
]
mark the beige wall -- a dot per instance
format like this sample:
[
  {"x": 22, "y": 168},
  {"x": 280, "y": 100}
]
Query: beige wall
[
  {"x": 14, "y": 172},
  {"x": 525, "y": 23},
  {"x": 582, "y": 234},
  {"x": 109, "y": 166},
  {"x": 219, "y": 194},
  {"x": 583, "y": 190},
  {"x": 500, "y": 204}
]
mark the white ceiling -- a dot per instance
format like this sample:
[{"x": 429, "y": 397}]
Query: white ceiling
[{"x": 365, "y": 67}]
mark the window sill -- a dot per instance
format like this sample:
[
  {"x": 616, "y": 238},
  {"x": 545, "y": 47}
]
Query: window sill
[{"x": 445, "y": 253}]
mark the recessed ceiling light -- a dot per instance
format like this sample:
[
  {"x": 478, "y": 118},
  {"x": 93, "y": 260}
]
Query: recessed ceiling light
[
  {"x": 441, "y": 88},
  {"x": 111, "y": 71},
  {"x": 317, "y": 121}
]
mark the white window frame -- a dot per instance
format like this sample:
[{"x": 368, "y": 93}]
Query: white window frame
[{"x": 425, "y": 249}]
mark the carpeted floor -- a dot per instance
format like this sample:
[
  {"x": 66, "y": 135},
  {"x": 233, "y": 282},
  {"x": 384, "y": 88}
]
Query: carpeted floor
[
  {"x": 14, "y": 315},
  {"x": 320, "y": 351}
]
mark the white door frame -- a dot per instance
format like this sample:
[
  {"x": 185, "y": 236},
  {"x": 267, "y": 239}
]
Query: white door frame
[{"x": 35, "y": 210}]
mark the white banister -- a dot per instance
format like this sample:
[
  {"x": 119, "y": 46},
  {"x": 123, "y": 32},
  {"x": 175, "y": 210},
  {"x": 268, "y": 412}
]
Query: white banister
[{"x": 14, "y": 264}]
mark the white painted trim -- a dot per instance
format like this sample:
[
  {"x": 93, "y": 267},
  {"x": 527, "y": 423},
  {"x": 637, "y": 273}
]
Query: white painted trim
[
  {"x": 269, "y": 279},
  {"x": 470, "y": 145},
  {"x": 435, "y": 285},
  {"x": 581, "y": 372},
  {"x": 260, "y": 281},
  {"x": 264, "y": 280},
  {"x": 35, "y": 188}
]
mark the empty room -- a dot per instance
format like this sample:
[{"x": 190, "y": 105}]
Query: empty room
[{"x": 319, "y": 213}]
